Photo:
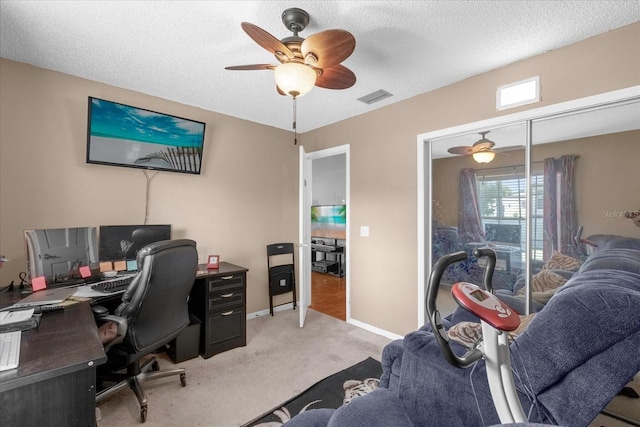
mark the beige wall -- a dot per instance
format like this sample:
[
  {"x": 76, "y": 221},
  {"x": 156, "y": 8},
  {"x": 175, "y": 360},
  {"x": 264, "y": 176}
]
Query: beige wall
[
  {"x": 384, "y": 160},
  {"x": 247, "y": 194},
  {"x": 245, "y": 198}
]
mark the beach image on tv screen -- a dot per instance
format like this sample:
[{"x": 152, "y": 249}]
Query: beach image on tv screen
[
  {"x": 124, "y": 135},
  {"x": 329, "y": 221}
]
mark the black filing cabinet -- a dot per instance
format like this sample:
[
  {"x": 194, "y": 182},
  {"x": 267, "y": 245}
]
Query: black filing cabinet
[{"x": 218, "y": 298}]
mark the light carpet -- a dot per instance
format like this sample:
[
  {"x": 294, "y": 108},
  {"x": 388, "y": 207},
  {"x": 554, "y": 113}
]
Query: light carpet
[{"x": 229, "y": 389}]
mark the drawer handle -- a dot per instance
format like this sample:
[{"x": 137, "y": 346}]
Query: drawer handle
[
  {"x": 227, "y": 277},
  {"x": 226, "y": 295},
  {"x": 228, "y": 313}
]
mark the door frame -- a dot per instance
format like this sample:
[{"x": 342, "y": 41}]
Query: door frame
[{"x": 319, "y": 154}]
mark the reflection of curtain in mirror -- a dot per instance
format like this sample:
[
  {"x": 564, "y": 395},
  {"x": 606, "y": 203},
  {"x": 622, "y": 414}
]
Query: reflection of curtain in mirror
[
  {"x": 470, "y": 225},
  {"x": 560, "y": 216}
]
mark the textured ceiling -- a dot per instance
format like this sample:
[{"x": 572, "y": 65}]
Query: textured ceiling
[{"x": 177, "y": 50}]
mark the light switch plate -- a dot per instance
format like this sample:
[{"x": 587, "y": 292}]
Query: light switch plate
[{"x": 364, "y": 231}]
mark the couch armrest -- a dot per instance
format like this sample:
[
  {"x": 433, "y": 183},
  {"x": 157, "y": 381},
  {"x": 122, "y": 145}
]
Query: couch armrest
[{"x": 391, "y": 365}]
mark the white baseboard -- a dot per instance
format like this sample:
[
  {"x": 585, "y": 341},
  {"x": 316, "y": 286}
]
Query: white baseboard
[
  {"x": 375, "y": 330},
  {"x": 266, "y": 312},
  {"x": 359, "y": 324}
]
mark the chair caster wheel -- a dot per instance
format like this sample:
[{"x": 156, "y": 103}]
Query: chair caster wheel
[
  {"x": 143, "y": 414},
  {"x": 183, "y": 379}
]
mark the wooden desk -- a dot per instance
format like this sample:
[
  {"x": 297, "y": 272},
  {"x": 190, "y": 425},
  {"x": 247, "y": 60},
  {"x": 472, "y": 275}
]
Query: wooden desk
[{"x": 55, "y": 382}]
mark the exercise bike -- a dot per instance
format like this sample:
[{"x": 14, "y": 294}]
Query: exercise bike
[{"x": 496, "y": 318}]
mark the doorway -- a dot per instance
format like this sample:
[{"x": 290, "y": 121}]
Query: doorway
[{"x": 328, "y": 215}]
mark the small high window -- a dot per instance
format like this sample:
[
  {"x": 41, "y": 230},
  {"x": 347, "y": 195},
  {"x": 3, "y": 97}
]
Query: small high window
[{"x": 520, "y": 93}]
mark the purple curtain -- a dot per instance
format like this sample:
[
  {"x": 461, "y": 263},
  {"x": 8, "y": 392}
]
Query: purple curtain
[
  {"x": 470, "y": 224},
  {"x": 560, "y": 217}
]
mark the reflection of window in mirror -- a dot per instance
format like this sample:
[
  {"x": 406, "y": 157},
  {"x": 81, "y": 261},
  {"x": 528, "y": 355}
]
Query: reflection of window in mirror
[{"x": 502, "y": 201}]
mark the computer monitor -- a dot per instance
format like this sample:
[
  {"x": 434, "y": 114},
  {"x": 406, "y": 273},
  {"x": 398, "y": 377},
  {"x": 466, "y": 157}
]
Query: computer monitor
[
  {"x": 122, "y": 242},
  {"x": 58, "y": 253},
  {"x": 503, "y": 233}
]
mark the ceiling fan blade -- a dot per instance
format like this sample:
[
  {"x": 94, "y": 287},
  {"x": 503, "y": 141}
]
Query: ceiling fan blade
[
  {"x": 251, "y": 67},
  {"x": 465, "y": 151},
  {"x": 336, "y": 77},
  {"x": 329, "y": 48},
  {"x": 509, "y": 148},
  {"x": 266, "y": 40},
  {"x": 482, "y": 145}
]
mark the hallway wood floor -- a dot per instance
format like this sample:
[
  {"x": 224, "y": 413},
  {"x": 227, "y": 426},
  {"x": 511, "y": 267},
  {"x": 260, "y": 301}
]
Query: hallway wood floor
[{"x": 329, "y": 295}]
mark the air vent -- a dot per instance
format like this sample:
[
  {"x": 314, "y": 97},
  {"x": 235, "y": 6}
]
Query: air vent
[{"x": 374, "y": 97}]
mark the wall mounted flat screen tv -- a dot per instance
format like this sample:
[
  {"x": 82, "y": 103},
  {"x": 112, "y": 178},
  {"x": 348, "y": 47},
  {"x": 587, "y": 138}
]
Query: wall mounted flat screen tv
[
  {"x": 122, "y": 242},
  {"x": 122, "y": 135}
]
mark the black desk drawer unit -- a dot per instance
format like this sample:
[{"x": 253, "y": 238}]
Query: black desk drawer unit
[{"x": 219, "y": 298}]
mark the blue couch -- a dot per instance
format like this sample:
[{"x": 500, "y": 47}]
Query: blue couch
[{"x": 577, "y": 353}]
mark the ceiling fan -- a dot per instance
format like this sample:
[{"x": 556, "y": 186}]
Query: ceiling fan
[
  {"x": 304, "y": 62},
  {"x": 482, "y": 150}
]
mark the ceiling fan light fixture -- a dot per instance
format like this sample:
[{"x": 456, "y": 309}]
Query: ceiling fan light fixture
[
  {"x": 484, "y": 157},
  {"x": 295, "y": 79}
]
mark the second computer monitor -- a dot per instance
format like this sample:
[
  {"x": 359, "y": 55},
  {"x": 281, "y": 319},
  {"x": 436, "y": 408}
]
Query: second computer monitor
[{"x": 122, "y": 242}]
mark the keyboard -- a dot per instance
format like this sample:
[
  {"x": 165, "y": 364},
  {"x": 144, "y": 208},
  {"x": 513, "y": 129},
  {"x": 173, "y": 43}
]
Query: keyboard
[
  {"x": 9, "y": 350},
  {"x": 113, "y": 285}
]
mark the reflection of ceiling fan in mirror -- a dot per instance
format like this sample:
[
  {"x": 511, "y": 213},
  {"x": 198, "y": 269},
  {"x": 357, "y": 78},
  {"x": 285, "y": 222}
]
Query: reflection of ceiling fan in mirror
[
  {"x": 304, "y": 62},
  {"x": 482, "y": 150}
]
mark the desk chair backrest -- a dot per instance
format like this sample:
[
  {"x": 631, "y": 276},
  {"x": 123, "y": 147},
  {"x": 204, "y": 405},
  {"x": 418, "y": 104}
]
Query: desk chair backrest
[{"x": 156, "y": 303}]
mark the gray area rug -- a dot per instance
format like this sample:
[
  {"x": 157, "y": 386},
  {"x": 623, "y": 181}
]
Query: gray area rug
[{"x": 331, "y": 392}]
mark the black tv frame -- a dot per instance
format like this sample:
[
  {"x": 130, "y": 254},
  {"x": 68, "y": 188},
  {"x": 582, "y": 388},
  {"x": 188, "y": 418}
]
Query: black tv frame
[{"x": 142, "y": 139}]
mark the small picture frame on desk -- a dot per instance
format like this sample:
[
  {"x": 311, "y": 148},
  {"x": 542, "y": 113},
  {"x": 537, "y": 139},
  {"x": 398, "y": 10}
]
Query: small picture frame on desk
[{"x": 213, "y": 262}]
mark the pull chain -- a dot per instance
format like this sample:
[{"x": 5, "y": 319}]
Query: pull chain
[{"x": 295, "y": 130}]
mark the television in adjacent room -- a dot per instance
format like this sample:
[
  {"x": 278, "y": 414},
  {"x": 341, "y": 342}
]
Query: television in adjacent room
[
  {"x": 329, "y": 221},
  {"x": 122, "y": 242},
  {"x": 58, "y": 253},
  {"x": 123, "y": 135}
]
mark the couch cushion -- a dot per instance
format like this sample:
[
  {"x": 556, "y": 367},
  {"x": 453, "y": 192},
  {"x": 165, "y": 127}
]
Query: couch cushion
[
  {"x": 380, "y": 408},
  {"x": 613, "y": 259},
  {"x": 609, "y": 241},
  {"x": 582, "y": 347}
]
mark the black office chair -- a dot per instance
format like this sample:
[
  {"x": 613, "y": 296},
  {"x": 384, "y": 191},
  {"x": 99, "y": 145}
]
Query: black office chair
[{"x": 154, "y": 310}]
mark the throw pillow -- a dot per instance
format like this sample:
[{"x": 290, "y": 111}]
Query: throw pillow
[
  {"x": 544, "y": 285},
  {"x": 559, "y": 261},
  {"x": 468, "y": 334},
  {"x": 546, "y": 280}
]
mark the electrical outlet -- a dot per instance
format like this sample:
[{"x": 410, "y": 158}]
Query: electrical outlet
[{"x": 364, "y": 231}]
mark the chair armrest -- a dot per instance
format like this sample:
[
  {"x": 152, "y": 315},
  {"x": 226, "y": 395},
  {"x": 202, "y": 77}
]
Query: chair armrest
[{"x": 112, "y": 331}]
